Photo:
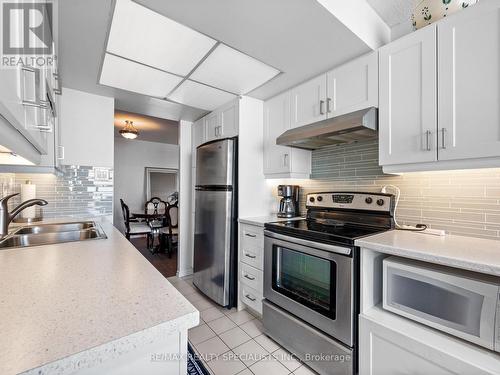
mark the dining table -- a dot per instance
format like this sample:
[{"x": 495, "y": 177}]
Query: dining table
[{"x": 150, "y": 217}]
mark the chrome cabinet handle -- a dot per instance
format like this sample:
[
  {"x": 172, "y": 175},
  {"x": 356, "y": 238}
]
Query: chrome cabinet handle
[
  {"x": 285, "y": 160},
  {"x": 250, "y": 256},
  {"x": 61, "y": 153},
  {"x": 58, "y": 89},
  {"x": 31, "y": 103},
  {"x": 328, "y": 101},
  {"x": 321, "y": 103},
  {"x": 250, "y": 235},
  {"x": 428, "y": 140},
  {"x": 216, "y": 131},
  {"x": 443, "y": 140},
  {"x": 249, "y": 278},
  {"x": 250, "y": 297}
]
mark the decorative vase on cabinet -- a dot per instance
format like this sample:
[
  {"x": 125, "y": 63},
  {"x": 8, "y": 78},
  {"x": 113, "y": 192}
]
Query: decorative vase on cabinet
[{"x": 426, "y": 12}]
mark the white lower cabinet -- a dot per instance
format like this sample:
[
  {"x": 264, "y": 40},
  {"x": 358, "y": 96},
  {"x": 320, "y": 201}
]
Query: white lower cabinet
[
  {"x": 251, "y": 277},
  {"x": 251, "y": 298},
  {"x": 251, "y": 265},
  {"x": 391, "y": 345}
]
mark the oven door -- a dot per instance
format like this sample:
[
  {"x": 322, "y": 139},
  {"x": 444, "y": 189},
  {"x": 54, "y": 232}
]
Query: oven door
[{"x": 312, "y": 281}]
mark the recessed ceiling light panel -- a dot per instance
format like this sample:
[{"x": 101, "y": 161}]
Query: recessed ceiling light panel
[
  {"x": 128, "y": 75},
  {"x": 233, "y": 71},
  {"x": 143, "y": 35},
  {"x": 200, "y": 96}
]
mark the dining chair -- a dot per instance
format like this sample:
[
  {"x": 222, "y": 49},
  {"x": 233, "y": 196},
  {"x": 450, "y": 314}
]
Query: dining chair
[
  {"x": 156, "y": 206},
  {"x": 133, "y": 227},
  {"x": 169, "y": 235}
]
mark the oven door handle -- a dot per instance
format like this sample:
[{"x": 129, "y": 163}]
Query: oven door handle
[{"x": 316, "y": 245}]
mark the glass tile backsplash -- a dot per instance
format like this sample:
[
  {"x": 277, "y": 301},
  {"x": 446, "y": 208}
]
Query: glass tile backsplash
[
  {"x": 464, "y": 202},
  {"x": 79, "y": 191}
]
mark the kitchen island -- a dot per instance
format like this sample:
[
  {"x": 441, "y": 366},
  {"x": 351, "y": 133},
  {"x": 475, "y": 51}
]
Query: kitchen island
[{"x": 90, "y": 307}]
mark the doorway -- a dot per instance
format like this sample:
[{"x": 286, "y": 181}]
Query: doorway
[{"x": 161, "y": 183}]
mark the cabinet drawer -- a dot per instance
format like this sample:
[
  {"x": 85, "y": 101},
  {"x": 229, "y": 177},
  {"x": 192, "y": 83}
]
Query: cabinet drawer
[
  {"x": 252, "y": 256},
  {"x": 251, "y": 277},
  {"x": 251, "y": 236},
  {"x": 252, "y": 245},
  {"x": 251, "y": 298}
]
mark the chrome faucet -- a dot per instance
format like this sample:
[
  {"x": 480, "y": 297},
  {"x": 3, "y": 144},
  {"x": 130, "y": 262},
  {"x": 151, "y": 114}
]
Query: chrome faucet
[{"x": 6, "y": 217}]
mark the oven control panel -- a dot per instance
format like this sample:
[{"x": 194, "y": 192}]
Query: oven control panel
[{"x": 355, "y": 201}]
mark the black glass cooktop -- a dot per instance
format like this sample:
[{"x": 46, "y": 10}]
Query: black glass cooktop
[{"x": 323, "y": 232}]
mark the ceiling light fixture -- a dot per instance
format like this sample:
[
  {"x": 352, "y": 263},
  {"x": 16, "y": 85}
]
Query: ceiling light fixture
[{"x": 129, "y": 131}]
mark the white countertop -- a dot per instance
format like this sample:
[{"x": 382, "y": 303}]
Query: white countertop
[
  {"x": 73, "y": 305},
  {"x": 261, "y": 220},
  {"x": 474, "y": 254}
]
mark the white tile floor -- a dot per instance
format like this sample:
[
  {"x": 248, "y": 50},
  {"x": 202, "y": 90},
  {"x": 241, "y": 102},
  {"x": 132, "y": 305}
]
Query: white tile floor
[{"x": 231, "y": 342}]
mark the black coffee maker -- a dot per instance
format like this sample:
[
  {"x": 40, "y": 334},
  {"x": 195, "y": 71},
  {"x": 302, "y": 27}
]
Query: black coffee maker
[{"x": 289, "y": 202}]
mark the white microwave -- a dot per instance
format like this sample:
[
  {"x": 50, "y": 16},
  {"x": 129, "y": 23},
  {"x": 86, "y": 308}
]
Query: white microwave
[{"x": 461, "y": 303}]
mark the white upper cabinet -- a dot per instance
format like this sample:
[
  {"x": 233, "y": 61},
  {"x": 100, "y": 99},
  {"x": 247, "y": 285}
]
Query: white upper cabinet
[
  {"x": 407, "y": 113},
  {"x": 223, "y": 122},
  {"x": 353, "y": 86},
  {"x": 348, "y": 88},
  {"x": 212, "y": 126},
  {"x": 439, "y": 94},
  {"x": 308, "y": 103},
  {"x": 228, "y": 118},
  {"x": 199, "y": 132},
  {"x": 22, "y": 104},
  {"x": 282, "y": 161},
  {"x": 87, "y": 129},
  {"x": 469, "y": 83},
  {"x": 276, "y": 122}
]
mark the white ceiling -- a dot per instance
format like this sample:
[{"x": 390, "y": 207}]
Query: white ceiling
[
  {"x": 393, "y": 12},
  {"x": 150, "y": 54},
  {"x": 298, "y": 37},
  {"x": 145, "y": 36},
  {"x": 82, "y": 29}
]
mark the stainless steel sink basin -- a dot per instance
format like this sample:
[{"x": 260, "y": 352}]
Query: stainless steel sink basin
[
  {"x": 51, "y": 228},
  {"x": 47, "y": 234}
]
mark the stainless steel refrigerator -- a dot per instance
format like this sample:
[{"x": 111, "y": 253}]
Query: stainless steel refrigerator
[{"x": 215, "y": 249}]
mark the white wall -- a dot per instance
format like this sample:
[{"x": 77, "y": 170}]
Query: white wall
[
  {"x": 162, "y": 184},
  {"x": 253, "y": 191},
  {"x": 185, "y": 257},
  {"x": 131, "y": 159}
]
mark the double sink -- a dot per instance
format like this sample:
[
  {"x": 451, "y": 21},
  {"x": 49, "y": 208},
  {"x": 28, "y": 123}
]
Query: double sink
[{"x": 47, "y": 234}]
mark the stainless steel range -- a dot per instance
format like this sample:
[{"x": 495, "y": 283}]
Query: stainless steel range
[{"x": 311, "y": 277}]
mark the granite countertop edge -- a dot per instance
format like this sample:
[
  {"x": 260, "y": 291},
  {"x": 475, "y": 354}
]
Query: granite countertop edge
[{"x": 468, "y": 253}]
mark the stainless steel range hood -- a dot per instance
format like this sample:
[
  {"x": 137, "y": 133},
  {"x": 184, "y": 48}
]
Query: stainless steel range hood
[{"x": 348, "y": 128}]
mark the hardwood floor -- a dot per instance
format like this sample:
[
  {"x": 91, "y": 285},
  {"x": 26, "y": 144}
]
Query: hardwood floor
[{"x": 167, "y": 266}]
